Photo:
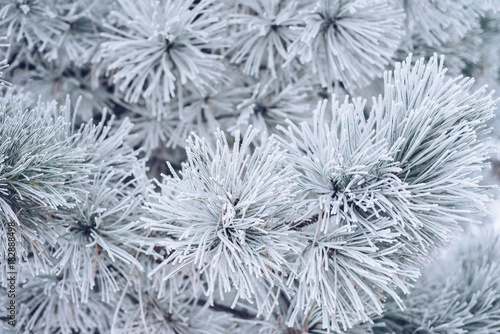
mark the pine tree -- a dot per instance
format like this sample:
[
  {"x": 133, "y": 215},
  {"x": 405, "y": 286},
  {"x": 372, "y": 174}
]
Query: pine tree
[{"x": 163, "y": 168}]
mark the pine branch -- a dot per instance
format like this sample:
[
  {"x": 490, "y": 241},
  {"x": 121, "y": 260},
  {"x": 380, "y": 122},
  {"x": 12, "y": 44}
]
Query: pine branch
[{"x": 241, "y": 314}]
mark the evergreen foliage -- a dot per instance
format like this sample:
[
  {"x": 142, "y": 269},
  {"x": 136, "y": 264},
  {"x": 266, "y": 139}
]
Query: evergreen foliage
[
  {"x": 468, "y": 299},
  {"x": 269, "y": 215}
]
